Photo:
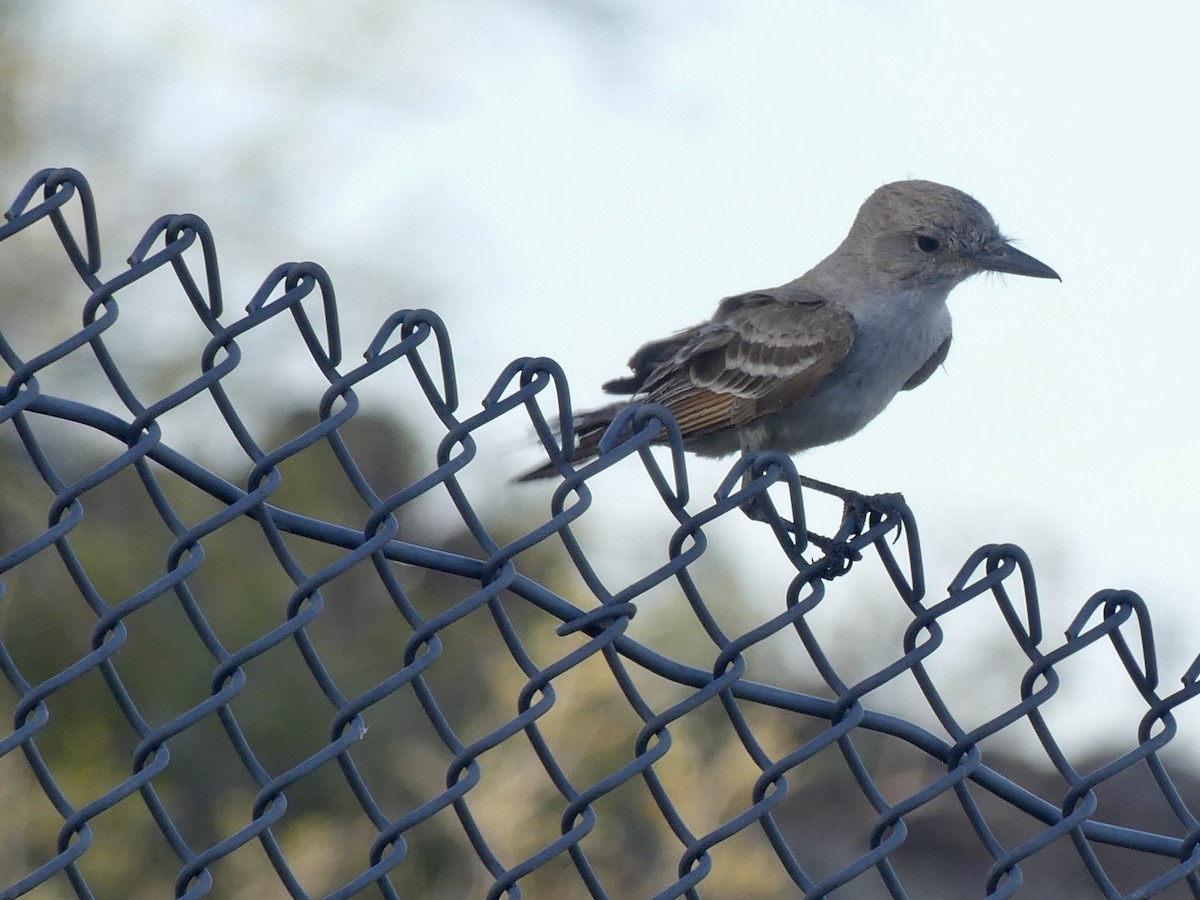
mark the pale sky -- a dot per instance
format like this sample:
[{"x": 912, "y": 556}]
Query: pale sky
[{"x": 574, "y": 195}]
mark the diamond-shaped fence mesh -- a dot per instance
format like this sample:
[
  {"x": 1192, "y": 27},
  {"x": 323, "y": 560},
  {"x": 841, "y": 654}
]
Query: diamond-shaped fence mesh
[{"x": 278, "y": 673}]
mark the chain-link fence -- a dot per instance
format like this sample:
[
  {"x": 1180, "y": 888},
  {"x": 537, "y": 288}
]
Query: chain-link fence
[{"x": 290, "y": 681}]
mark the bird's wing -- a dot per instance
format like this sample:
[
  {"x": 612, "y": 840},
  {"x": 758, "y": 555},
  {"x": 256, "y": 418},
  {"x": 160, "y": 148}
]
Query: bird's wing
[
  {"x": 760, "y": 353},
  {"x": 930, "y": 365},
  {"x": 649, "y": 358}
]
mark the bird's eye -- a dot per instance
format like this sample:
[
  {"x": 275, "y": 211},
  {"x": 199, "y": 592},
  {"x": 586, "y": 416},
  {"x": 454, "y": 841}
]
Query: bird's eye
[{"x": 927, "y": 244}]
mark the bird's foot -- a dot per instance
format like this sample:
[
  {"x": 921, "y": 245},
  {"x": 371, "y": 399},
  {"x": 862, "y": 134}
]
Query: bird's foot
[
  {"x": 858, "y": 509},
  {"x": 861, "y": 511},
  {"x": 758, "y": 509},
  {"x": 838, "y": 555},
  {"x": 860, "y": 514}
]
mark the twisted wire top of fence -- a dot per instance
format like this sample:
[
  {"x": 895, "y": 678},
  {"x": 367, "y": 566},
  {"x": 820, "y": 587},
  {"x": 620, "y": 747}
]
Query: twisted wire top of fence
[{"x": 215, "y": 690}]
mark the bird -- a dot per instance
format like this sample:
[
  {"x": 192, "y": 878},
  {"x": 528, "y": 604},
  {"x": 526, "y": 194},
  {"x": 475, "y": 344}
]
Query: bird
[{"x": 812, "y": 361}]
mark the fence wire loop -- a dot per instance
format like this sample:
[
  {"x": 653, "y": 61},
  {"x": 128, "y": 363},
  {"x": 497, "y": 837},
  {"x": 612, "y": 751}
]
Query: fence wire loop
[
  {"x": 1117, "y": 606},
  {"x": 179, "y": 233},
  {"x": 298, "y": 280},
  {"x": 59, "y": 187},
  {"x": 453, "y": 716}
]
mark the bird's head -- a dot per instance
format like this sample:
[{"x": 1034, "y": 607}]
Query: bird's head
[{"x": 927, "y": 235}]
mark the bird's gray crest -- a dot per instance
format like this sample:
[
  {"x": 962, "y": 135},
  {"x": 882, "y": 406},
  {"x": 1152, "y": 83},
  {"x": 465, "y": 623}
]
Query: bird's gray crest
[
  {"x": 920, "y": 234},
  {"x": 913, "y": 205}
]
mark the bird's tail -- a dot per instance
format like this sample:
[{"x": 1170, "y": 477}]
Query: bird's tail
[{"x": 589, "y": 428}]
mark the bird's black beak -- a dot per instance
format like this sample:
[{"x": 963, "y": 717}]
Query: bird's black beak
[{"x": 1007, "y": 258}]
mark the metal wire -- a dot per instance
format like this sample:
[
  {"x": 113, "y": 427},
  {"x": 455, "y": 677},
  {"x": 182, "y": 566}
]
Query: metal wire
[{"x": 830, "y": 719}]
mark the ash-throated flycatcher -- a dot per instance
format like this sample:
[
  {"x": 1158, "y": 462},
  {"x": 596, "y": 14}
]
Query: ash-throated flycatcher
[{"x": 814, "y": 360}]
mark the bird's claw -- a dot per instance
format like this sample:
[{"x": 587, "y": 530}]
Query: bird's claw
[
  {"x": 860, "y": 513},
  {"x": 838, "y": 555},
  {"x": 858, "y": 510}
]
